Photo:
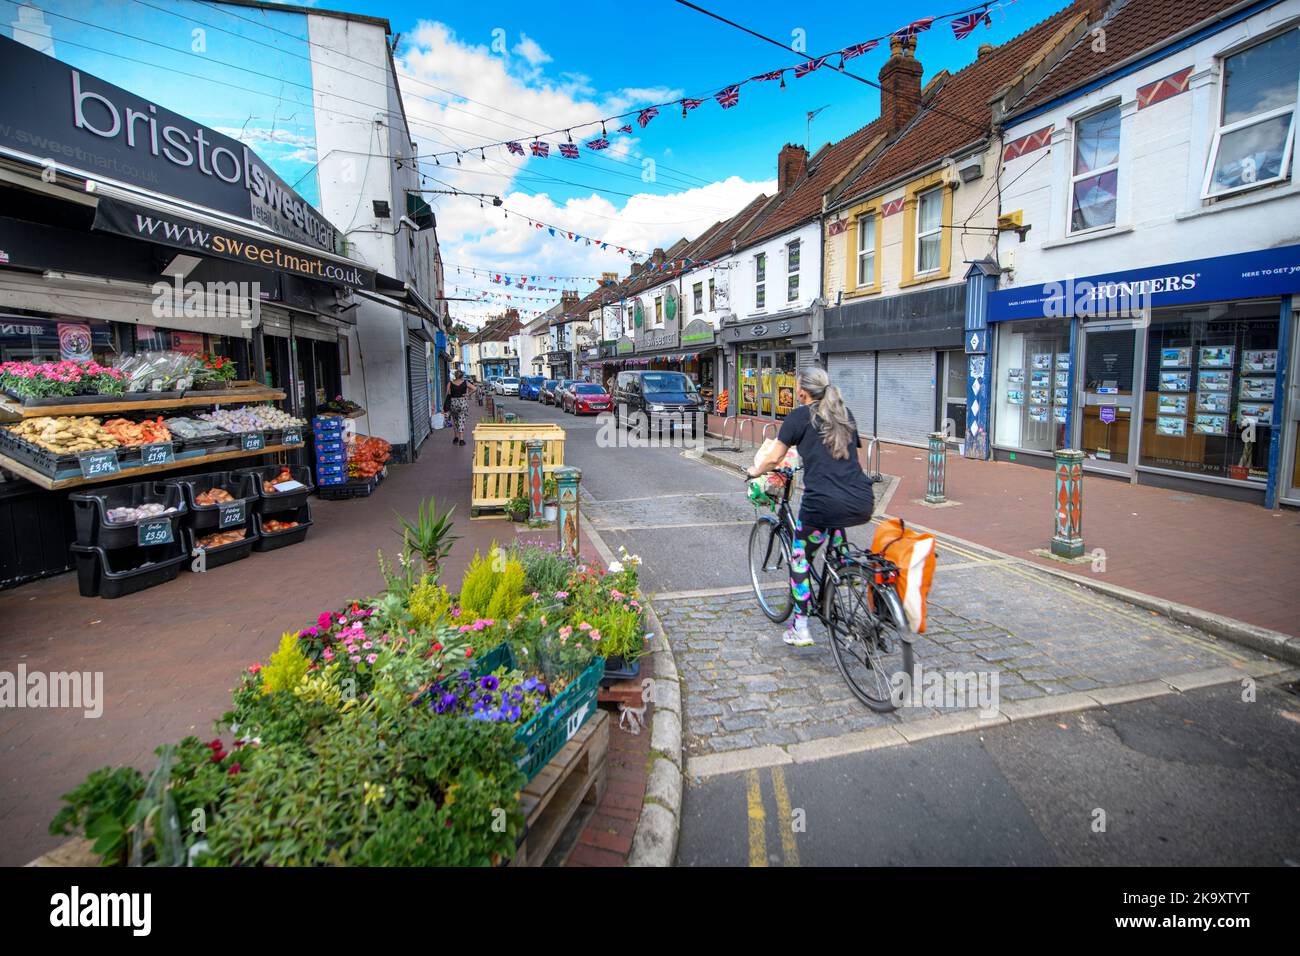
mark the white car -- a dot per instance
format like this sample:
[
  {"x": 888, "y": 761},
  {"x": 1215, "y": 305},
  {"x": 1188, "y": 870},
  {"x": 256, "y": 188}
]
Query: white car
[{"x": 508, "y": 386}]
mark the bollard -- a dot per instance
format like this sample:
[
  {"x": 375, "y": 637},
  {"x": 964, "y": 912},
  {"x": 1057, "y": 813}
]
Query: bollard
[
  {"x": 535, "y": 479},
  {"x": 566, "y": 518},
  {"x": 1067, "y": 542},
  {"x": 936, "y": 473},
  {"x": 491, "y": 408},
  {"x": 511, "y": 418}
]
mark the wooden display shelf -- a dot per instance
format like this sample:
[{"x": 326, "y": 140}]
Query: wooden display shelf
[
  {"x": 12, "y": 410},
  {"x": 126, "y": 474}
]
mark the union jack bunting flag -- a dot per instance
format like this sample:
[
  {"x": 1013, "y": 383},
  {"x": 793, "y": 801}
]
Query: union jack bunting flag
[
  {"x": 599, "y": 143},
  {"x": 690, "y": 105},
  {"x": 913, "y": 28},
  {"x": 858, "y": 49},
  {"x": 515, "y": 148},
  {"x": 964, "y": 26},
  {"x": 803, "y": 69},
  {"x": 628, "y": 128},
  {"x": 568, "y": 150},
  {"x": 728, "y": 97},
  {"x": 541, "y": 149},
  {"x": 645, "y": 116},
  {"x": 774, "y": 75}
]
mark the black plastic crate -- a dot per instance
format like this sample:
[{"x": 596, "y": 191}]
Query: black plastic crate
[
  {"x": 275, "y": 502},
  {"x": 220, "y": 517},
  {"x": 355, "y": 488},
  {"x": 41, "y": 459},
  {"x": 271, "y": 540},
  {"x": 111, "y": 574},
  {"x": 222, "y": 554},
  {"x": 90, "y": 509}
]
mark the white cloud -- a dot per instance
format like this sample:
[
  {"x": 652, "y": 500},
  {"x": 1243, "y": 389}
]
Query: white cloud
[{"x": 531, "y": 51}]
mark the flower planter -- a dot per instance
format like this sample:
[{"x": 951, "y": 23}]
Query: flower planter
[{"x": 617, "y": 669}]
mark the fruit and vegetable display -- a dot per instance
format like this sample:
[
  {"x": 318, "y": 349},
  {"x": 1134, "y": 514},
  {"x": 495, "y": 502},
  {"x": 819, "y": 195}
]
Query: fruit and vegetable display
[
  {"x": 65, "y": 435},
  {"x": 219, "y": 538},
  {"x": 272, "y": 525},
  {"x": 160, "y": 371},
  {"x": 138, "y": 433},
  {"x": 272, "y": 417},
  {"x": 250, "y": 418},
  {"x": 214, "y": 496},
  {"x": 150, "y": 509},
  {"x": 191, "y": 428},
  {"x": 368, "y": 457},
  {"x": 269, "y": 485}
]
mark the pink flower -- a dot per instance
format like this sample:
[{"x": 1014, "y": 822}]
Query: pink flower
[
  {"x": 367, "y": 645},
  {"x": 584, "y": 626},
  {"x": 371, "y": 658},
  {"x": 595, "y": 634},
  {"x": 561, "y": 594},
  {"x": 324, "y": 619},
  {"x": 356, "y": 659},
  {"x": 254, "y": 668},
  {"x": 327, "y": 654},
  {"x": 565, "y": 632}
]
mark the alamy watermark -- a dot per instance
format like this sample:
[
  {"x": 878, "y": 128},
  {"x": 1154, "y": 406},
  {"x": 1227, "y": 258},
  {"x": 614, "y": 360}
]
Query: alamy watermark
[
  {"x": 655, "y": 429},
  {"x": 225, "y": 300},
  {"x": 74, "y": 690},
  {"x": 963, "y": 690}
]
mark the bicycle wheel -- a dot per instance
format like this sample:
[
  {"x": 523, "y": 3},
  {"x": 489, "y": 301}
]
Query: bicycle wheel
[
  {"x": 769, "y": 568},
  {"x": 867, "y": 627}
]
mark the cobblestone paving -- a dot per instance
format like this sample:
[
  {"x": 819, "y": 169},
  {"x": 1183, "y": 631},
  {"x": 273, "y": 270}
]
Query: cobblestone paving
[{"x": 743, "y": 687}]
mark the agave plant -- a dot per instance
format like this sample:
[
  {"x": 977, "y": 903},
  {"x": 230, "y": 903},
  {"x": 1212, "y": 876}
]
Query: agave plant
[{"x": 429, "y": 536}]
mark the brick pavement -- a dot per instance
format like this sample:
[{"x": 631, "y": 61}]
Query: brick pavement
[
  {"x": 170, "y": 655},
  {"x": 743, "y": 687},
  {"x": 1227, "y": 557}
]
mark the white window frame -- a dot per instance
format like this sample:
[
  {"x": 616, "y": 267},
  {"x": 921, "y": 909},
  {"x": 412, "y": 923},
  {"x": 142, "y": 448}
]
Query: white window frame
[
  {"x": 1220, "y": 131},
  {"x": 793, "y": 250},
  {"x": 760, "y": 281},
  {"x": 659, "y": 312},
  {"x": 1091, "y": 173},
  {"x": 937, "y": 192},
  {"x": 697, "y": 298},
  {"x": 866, "y": 251},
  {"x": 713, "y": 296}
]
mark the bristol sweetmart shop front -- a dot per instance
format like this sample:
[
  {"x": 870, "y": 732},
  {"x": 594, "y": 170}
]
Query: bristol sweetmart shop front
[{"x": 1179, "y": 375}]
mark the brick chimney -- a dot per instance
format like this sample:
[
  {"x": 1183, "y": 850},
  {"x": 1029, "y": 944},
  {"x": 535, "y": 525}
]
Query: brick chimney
[
  {"x": 791, "y": 163},
  {"x": 657, "y": 258},
  {"x": 568, "y": 298},
  {"x": 900, "y": 85}
]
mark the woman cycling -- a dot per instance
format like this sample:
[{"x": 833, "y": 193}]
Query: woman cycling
[
  {"x": 836, "y": 493},
  {"x": 458, "y": 393}
]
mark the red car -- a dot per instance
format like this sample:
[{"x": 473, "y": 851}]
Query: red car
[{"x": 586, "y": 398}]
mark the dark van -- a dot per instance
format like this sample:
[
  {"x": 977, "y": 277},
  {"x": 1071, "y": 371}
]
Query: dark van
[{"x": 658, "y": 399}]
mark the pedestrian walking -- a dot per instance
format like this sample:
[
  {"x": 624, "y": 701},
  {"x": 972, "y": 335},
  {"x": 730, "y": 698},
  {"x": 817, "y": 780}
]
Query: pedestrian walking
[{"x": 458, "y": 393}]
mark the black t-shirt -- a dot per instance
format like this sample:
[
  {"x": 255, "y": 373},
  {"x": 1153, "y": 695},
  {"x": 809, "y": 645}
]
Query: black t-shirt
[
  {"x": 457, "y": 389},
  {"x": 836, "y": 492}
]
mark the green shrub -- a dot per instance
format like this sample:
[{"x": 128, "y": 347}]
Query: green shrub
[{"x": 287, "y": 666}]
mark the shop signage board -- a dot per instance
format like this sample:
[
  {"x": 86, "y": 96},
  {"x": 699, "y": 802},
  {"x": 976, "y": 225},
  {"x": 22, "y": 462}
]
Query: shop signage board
[
  {"x": 777, "y": 328},
  {"x": 1246, "y": 275},
  {"x": 292, "y": 436},
  {"x": 252, "y": 441},
  {"x": 153, "y": 455},
  {"x": 53, "y": 111},
  {"x": 1108, "y": 414},
  {"x": 97, "y": 464},
  {"x": 231, "y": 515},
  {"x": 155, "y": 531}
]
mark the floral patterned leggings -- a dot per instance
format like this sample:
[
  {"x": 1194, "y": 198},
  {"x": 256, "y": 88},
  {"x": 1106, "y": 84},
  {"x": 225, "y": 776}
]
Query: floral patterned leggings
[{"x": 806, "y": 543}]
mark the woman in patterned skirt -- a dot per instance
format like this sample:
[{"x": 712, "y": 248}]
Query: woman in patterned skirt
[{"x": 458, "y": 393}]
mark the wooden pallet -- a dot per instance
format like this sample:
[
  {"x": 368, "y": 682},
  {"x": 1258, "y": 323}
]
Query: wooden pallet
[
  {"x": 573, "y": 779},
  {"x": 500, "y": 468}
]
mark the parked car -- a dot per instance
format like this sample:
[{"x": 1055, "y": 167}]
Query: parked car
[
  {"x": 656, "y": 399},
  {"x": 529, "y": 385},
  {"x": 546, "y": 394},
  {"x": 584, "y": 398},
  {"x": 561, "y": 389},
  {"x": 509, "y": 385}
]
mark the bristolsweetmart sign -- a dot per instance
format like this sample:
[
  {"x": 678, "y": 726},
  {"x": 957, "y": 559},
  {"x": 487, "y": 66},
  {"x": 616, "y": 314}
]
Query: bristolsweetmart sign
[{"x": 65, "y": 118}]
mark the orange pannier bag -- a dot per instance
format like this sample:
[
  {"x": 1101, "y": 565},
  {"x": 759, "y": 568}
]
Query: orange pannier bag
[{"x": 913, "y": 552}]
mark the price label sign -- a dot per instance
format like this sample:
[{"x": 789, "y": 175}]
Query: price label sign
[
  {"x": 151, "y": 456},
  {"x": 154, "y": 531},
  {"x": 231, "y": 515},
  {"x": 253, "y": 441},
  {"x": 292, "y": 436},
  {"x": 98, "y": 464}
]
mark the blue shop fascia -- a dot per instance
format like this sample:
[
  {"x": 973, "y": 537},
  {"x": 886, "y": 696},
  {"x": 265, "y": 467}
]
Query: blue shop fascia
[{"x": 1179, "y": 375}]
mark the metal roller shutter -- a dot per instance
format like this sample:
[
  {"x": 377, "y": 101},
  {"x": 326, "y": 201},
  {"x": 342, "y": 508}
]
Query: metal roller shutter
[
  {"x": 854, "y": 374},
  {"x": 906, "y": 391},
  {"x": 418, "y": 376}
]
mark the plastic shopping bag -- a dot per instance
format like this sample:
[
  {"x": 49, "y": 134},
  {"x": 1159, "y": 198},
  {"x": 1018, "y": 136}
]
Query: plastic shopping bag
[{"x": 913, "y": 552}]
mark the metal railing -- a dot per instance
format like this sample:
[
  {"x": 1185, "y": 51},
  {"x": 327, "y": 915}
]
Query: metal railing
[{"x": 873, "y": 460}]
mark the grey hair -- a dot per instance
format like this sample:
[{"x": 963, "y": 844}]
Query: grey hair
[{"x": 829, "y": 414}]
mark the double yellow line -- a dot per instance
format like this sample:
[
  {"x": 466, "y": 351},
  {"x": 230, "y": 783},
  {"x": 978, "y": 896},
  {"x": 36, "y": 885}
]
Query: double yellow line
[{"x": 758, "y": 818}]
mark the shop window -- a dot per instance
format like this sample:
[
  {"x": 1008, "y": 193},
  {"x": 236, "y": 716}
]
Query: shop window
[
  {"x": 1211, "y": 374},
  {"x": 929, "y": 230},
  {"x": 713, "y": 297},
  {"x": 866, "y": 251},
  {"x": 659, "y": 311},
  {"x": 1254, "y": 139},
  {"x": 32, "y": 337},
  {"x": 760, "y": 281},
  {"x": 1031, "y": 385},
  {"x": 697, "y": 297},
  {"x": 1095, "y": 177},
  {"x": 792, "y": 271}
]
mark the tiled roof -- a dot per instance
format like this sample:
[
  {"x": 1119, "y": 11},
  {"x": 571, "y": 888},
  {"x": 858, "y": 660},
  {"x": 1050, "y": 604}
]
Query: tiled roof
[
  {"x": 967, "y": 93},
  {"x": 802, "y": 200},
  {"x": 719, "y": 244},
  {"x": 1131, "y": 28}
]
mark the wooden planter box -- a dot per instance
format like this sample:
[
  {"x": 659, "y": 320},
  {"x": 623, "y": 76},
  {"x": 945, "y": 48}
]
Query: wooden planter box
[{"x": 500, "y": 470}]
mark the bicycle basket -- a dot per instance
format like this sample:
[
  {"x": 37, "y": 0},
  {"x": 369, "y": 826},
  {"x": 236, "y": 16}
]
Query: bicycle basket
[{"x": 758, "y": 495}]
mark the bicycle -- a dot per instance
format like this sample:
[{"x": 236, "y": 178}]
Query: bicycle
[{"x": 855, "y": 596}]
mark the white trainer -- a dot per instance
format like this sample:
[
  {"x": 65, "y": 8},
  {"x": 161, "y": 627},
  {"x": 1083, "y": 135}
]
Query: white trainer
[{"x": 796, "y": 634}]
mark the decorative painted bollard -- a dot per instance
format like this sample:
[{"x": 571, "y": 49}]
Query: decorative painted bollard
[
  {"x": 1067, "y": 542},
  {"x": 535, "y": 479},
  {"x": 491, "y": 408},
  {"x": 936, "y": 472},
  {"x": 510, "y": 418},
  {"x": 566, "y": 519}
]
